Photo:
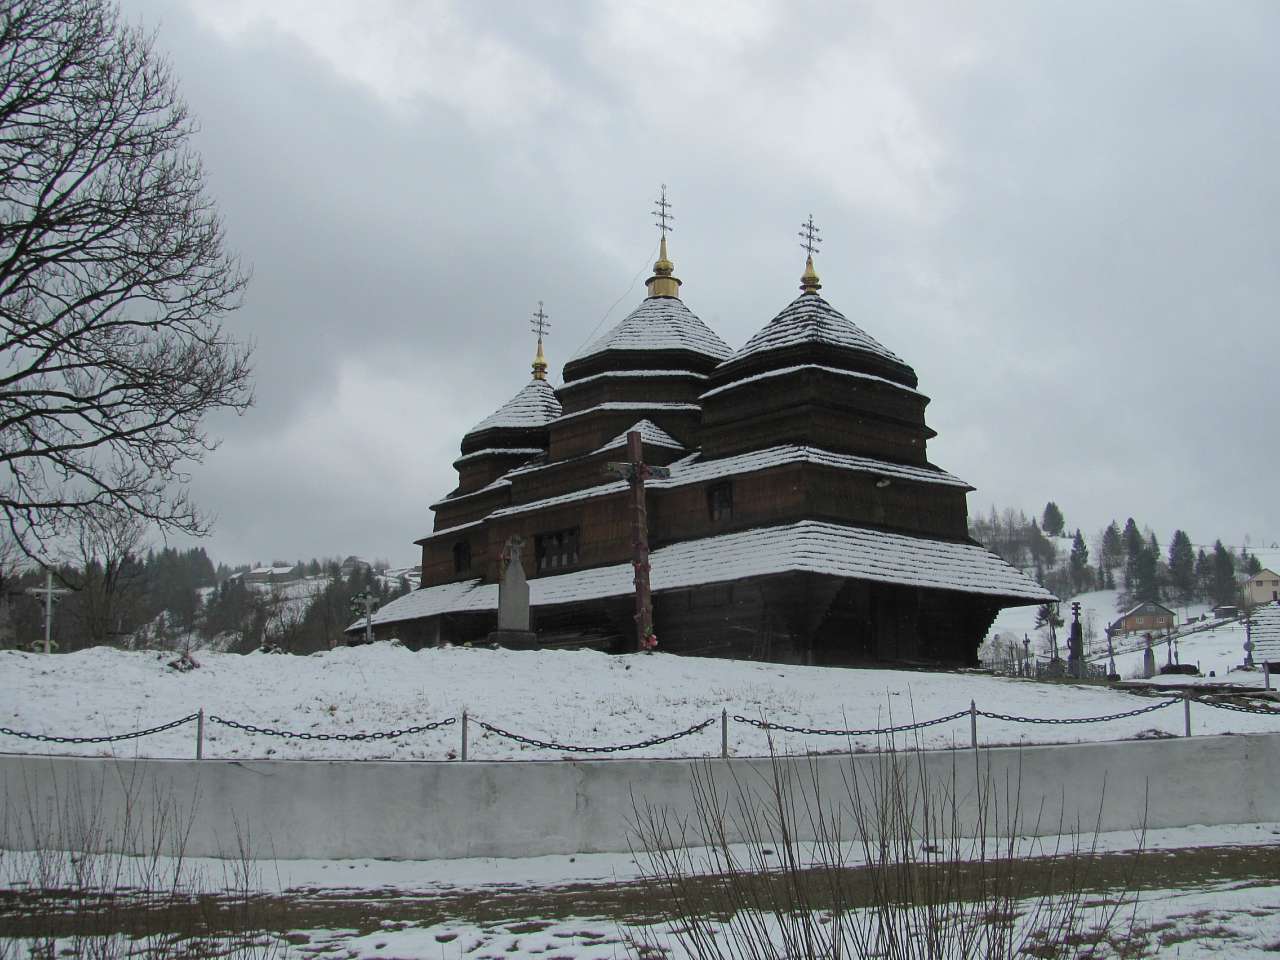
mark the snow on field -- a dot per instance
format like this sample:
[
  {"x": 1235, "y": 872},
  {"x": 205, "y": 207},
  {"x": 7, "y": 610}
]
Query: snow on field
[{"x": 571, "y": 697}]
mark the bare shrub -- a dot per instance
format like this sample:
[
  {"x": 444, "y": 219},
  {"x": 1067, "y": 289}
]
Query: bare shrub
[
  {"x": 67, "y": 890},
  {"x": 886, "y": 861}
]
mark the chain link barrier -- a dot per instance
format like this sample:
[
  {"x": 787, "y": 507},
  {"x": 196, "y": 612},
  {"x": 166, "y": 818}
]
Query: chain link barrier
[
  {"x": 1239, "y": 708},
  {"x": 873, "y": 731},
  {"x": 340, "y": 737},
  {"x": 1056, "y": 720},
  {"x": 114, "y": 738},
  {"x": 572, "y": 748}
]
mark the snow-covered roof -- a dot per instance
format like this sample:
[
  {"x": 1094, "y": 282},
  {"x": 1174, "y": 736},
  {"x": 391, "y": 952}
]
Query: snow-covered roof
[
  {"x": 452, "y": 531},
  {"x": 1138, "y": 606},
  {"x": 809, "y": 366},
  {"x": 498, "y": 452},
  {"x": 693, "y": 469},
  {"x": 650, "y": 433},
  {"x": 634, "y": 375},
  {"x": 625, "y": 405},
  {"x": 535, "y": 405},
  {"x": 809, "y": 546},
  {"x": 1265, "y": 632},
  {"x": 810, "y": 319},
  {"x": 487, "y": 488},
  {"x": 660, "y": 323}
]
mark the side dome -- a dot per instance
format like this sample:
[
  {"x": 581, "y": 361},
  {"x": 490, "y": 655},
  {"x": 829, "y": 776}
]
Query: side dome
[
  {"x": 522, "y": 417},
  {"x": 809, "y": 330}
]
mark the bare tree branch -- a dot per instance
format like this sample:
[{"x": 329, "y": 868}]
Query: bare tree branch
[{"x": 114, "y": 279}]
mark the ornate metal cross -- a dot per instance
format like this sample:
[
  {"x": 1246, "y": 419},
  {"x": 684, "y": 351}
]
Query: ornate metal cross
[
  {"x": 541, "y": 323},
  {"x": 810, "y": 236},
  {"x": 663, "y": 212}
]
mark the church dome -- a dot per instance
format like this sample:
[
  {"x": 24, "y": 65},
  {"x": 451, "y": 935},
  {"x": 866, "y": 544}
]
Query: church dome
[
  {"x": 535, "y": 406},
  {"x": 810, "y": 325},
  {"x": 658, "y": 324}
]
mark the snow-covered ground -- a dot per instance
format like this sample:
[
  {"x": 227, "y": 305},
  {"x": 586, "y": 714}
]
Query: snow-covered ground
[{"x": 570, "y": 697}]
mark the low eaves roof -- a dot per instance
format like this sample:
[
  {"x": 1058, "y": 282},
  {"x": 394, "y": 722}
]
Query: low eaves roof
[{"x": 809, "y": 546}]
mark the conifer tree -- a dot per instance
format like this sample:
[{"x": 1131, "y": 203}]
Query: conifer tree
[
  {"x": 1079, "y": 563},
  {"x": 1053, "y": 520},
  {"x": 1182, "y": 567},
  {"x": 1222, "y": 589}
]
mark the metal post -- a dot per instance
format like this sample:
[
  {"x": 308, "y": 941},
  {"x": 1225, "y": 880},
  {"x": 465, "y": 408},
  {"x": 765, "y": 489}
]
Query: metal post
[
  {"x": 1186, "y": 708},
  {"x": 1266, "y": 675},
  {"x": 200, "y": 734},
  {"x": 724, "y": 733},
  {"x": 464, "y": 735},
  {"x": 973, "y": 723}
]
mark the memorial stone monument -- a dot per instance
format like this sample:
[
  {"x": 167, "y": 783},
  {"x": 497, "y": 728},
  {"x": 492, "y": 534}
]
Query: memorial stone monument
[
  {"x": 1149, "y": 660},
  {"x": 514, "y": 626}
]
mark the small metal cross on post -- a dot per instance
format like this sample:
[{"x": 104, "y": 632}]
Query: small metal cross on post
[
  {"x": 365, "y": 602},
  {"x": 48, "y": 591},
  {"x": 662, "y": 211},
  {"x": 635, "y": 471}
]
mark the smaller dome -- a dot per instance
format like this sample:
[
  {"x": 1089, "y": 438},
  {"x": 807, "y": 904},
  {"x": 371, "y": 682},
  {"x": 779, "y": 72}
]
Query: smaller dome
[{"x": 533, "y": 407}]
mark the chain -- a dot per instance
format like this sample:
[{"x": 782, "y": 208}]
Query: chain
[
  {"x": 114, "y": 738},
  {"x": 571, "y": 748},
  {"x": 1265, "y": 711},
  {"x": 1054, "y": 720},
  {"x": 291, "y": 735},
  {"x": 873, "y": 731}
]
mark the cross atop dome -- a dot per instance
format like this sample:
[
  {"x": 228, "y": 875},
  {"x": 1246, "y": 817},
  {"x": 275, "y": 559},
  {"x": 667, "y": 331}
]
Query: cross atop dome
[
  {"x": 542, "y": 327},
  {"x": 810, "y": 240},
  {"x": 662, "y": 211},
  {"x": 663, "y": 283}
]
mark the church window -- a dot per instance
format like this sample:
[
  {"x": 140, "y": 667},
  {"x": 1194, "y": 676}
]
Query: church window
[
  {"x": 720, "y": 501},
  {"x": 461, "y": 556},
  {"x": 556, "y": 550}
]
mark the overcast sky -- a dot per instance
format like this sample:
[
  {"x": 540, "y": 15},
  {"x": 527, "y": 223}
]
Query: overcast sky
[{"x": 1064, "y": 216}]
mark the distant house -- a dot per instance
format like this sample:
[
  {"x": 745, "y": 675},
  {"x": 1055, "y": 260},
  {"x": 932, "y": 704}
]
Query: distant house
[
  {"x": 352, "y": 564},
  {"x": 1264, "y": 630},
  {"x": 1263, "y": 587},
  {"x": 1145, "y": 617},
  {"x": 275, "y": 574}
]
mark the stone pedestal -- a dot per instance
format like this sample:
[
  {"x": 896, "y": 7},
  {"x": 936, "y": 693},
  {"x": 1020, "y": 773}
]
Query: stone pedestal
[{"x": 514, "y": 639}]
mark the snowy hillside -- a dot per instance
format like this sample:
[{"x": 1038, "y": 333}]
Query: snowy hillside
[{"x": 578, "y": 697}]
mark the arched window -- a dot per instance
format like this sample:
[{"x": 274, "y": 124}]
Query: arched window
[{"x": 461, "y": 556}]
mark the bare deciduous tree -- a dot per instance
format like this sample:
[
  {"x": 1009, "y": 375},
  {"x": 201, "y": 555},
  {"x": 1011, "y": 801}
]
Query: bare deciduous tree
[{"x": 113, "y": 278}]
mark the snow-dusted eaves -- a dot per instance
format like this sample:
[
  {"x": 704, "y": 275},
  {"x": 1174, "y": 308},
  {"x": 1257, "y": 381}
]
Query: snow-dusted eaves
[
  {"x": 650, "y": 433},
  {"x": 768, "y": 374},
  {"x": 810, "y": 319},
  {"x": 535, "y": 405},
  {"x": 660, "y": 323},
  {"x": 499, "y": 452},
  {"x": 487, "y": 488},
  {"x": 635, "y": 375},
  {"x": 693, "y": 469},
  {"x": 451, "y": 531},
  {"x": 809, "y": 546},
  {"x": 639, "y": 406},
  {"x": 1266, "y": 633}
]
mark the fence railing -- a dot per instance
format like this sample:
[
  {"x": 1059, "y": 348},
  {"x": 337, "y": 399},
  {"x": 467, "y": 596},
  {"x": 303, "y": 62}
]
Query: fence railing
[{"x": 465, "y": 722}]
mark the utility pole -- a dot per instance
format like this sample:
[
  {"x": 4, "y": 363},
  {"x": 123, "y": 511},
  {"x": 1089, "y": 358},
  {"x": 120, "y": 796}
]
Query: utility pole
[
  {"x": 635, "y": 471},
  {"x": 49, "y": 592}
]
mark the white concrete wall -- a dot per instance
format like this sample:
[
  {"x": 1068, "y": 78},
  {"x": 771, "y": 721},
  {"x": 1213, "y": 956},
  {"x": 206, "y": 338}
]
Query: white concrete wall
[{"x": 292, "y": 809}]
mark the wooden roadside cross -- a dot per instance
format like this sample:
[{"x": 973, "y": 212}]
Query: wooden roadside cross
[{"x": 635, "y": 471}]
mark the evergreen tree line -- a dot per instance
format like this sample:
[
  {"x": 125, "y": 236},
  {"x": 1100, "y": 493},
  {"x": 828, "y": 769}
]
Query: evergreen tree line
[{"x": 1128, "y": 559}]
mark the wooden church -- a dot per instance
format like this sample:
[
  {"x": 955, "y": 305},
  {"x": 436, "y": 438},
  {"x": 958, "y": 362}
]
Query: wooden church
[{"x": 801, "y": 520}]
